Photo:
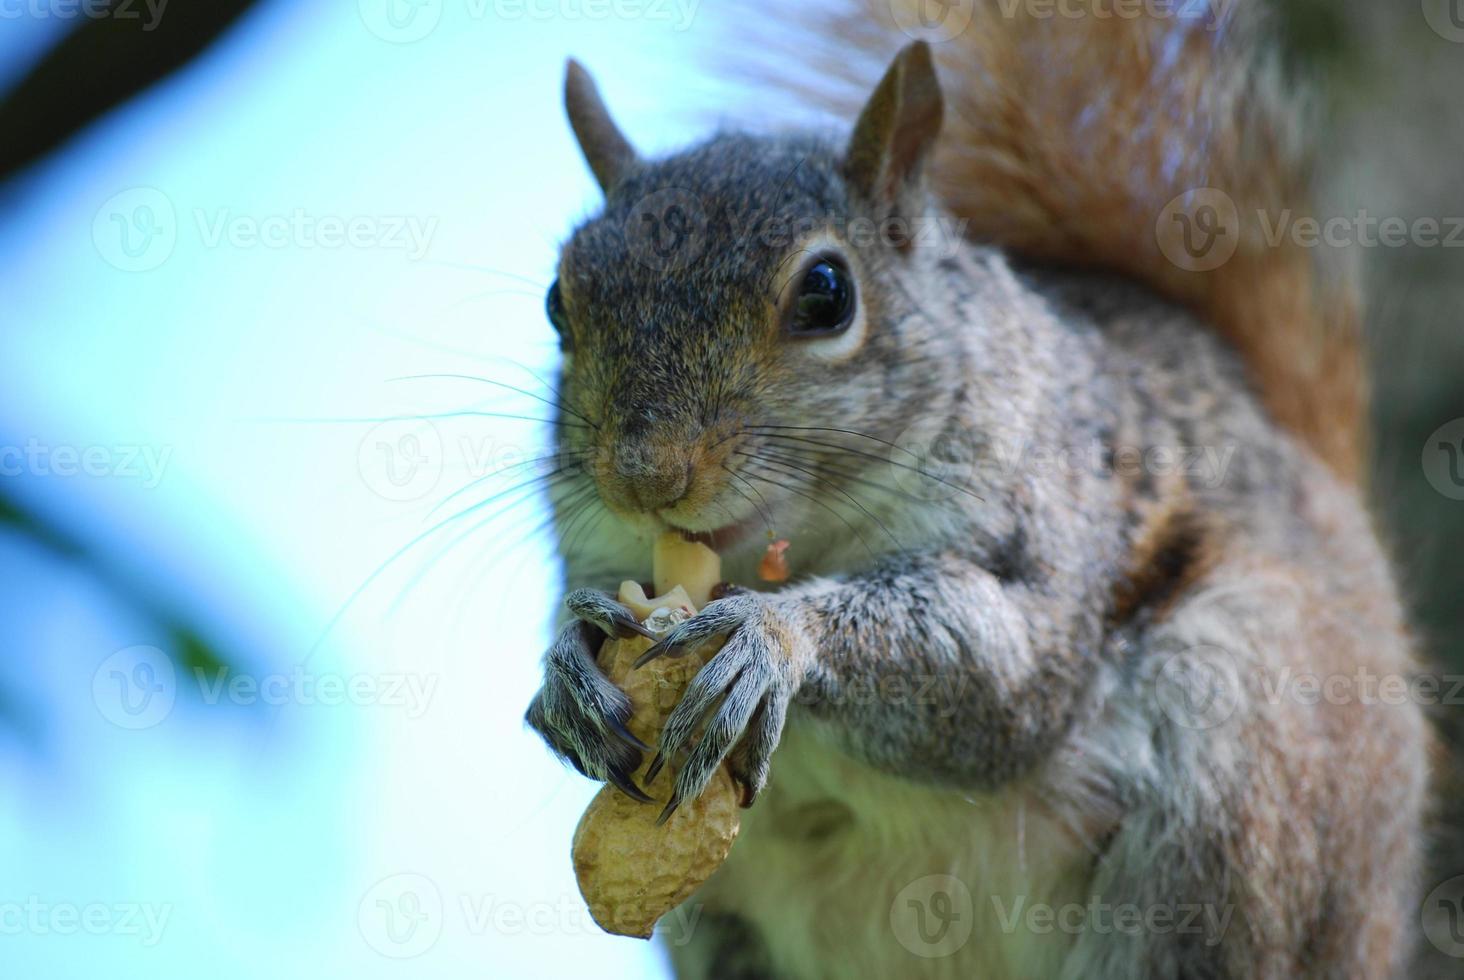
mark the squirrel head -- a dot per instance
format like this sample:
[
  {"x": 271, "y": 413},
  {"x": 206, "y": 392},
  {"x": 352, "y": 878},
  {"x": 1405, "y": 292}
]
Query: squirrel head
[{"x": 747, "y": 289}]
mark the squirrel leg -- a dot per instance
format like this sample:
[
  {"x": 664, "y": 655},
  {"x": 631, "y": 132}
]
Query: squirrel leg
[
  {"x": 933, "y": 669},
  {"x": 936, "y": 669},
  {"x": 741, "y": 695},
  {"x": 578, "y": 711}
]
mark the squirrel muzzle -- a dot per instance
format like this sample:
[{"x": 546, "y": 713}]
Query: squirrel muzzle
[{"x": 645, "y": 475}]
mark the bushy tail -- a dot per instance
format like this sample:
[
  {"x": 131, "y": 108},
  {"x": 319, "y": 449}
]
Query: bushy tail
[{"x": 1160, "y": 146}]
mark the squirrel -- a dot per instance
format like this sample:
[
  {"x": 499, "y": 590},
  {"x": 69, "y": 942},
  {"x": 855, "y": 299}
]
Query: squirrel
[{"x": 1084, "y": 666}]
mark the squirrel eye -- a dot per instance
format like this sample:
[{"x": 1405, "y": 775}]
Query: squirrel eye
[
  {"x": 825, "y": 302},
  {"x": 554, "y": 307}
]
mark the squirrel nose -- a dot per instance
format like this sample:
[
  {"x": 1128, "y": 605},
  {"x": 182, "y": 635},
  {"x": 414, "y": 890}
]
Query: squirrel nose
[{"x": 651, "y": 480}]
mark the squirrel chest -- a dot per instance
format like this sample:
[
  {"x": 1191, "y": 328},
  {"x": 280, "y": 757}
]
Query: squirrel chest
[{"x": 955, "y": 884}]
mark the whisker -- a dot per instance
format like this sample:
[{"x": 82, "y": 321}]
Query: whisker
[
  {"x": 533, "y": 487},
  {"x": 820, "y": 481},
  {"x": 558, "y": 393},
  {"x": 358, "y": 420},
  {"x": 571, "y": 523},
  {"x": 846, "y": 432},
  {"x": 573, "y": 456},
  {"x": 489, "y": 381},
  {"x": 842, "y": 472},
  {"x": 815, "y": 482},
  {"x": 590, "y": 529},
  {"x": 884, "y": 459},
  {"x": 376, "y": 573},
  {"x": 761, "y": 511},
  {"x": 809, "y": 496},
  {"x": 576, "y": 499},
  {"x": 471, "y": 267}
]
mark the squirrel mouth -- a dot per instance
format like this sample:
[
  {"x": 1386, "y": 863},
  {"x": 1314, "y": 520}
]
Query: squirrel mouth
[{"x": 722, "y": 538}]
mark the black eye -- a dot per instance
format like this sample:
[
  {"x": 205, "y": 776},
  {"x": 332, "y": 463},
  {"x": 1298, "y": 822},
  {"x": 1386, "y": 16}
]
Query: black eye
[
  {"x": 825, "y": 302},
  {"x": 554, "y": 307}
]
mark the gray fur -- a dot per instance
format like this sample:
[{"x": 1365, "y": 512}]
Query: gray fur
[{"x": 1011, "y": 619}]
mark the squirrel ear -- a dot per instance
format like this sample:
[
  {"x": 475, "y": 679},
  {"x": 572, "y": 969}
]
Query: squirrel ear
[
  {"x": 897, "y": 127},
  {"x": 606, "y": 150}
]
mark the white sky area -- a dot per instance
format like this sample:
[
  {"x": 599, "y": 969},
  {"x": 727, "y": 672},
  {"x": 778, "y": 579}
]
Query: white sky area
[{"x": 174, "y": 293}]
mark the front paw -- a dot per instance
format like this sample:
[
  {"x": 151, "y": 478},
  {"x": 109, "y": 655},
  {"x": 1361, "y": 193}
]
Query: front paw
[
  {"x": 743, "y": 691},
  {"x": 578, "y": 711}
]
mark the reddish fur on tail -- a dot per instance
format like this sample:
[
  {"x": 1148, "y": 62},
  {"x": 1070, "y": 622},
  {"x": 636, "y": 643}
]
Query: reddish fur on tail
[{"x": 1069, "y": 135}]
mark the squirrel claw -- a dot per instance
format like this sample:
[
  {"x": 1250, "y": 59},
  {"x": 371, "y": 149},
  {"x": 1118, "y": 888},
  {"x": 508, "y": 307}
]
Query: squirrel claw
[
  {"x": 612, "y": 618},
  {"x": 624, "y": 783},
  {"x": 626, "y": 735},
  {"x": 659, "y": 650}
]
